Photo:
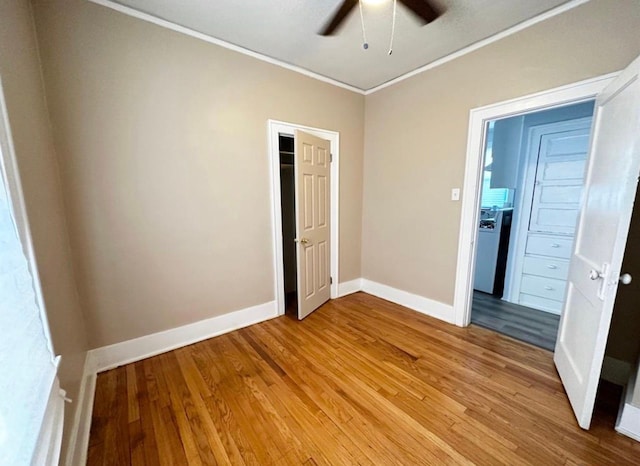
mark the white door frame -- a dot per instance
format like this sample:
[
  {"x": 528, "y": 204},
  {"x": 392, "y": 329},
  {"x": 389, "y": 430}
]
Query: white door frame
[
  {"x": 276, "y": 128},
  {"x": 478, "y": 119}
]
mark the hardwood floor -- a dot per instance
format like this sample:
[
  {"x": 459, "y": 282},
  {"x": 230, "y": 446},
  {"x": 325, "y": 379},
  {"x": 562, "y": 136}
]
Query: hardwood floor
[
  {"x": 522, "y": 323},
  {"x": 360, "y": 381}
]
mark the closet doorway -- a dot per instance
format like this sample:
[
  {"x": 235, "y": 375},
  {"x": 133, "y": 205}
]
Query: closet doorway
[{"x": 304, "y": 164}]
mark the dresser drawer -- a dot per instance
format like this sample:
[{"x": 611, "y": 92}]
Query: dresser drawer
[
  {"x": 548, "y": 288},
  {"x": 542, "y": 304},
  {"x": 549, "y": 246},
  {"x": 546, "y": 267}
]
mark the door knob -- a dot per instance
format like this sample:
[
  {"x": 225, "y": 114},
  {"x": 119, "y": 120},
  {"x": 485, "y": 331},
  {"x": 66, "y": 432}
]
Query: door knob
[
  {"x": 625, "y": 278},
  {"x": 303, "y": 240},
  {"x": 605, "y": 284}
]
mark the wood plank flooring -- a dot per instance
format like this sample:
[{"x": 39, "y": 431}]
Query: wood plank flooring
[
  {"x": 522, "y": 323},
  {"x": 360, "y": 381}
]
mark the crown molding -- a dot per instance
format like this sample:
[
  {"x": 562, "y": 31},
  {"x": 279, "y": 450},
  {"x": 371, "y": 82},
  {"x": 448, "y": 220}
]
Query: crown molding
[
  {"x": 227, "y": 45},
  {"x": 481, "y": 43},
  {"x": 265, "y": 58}
]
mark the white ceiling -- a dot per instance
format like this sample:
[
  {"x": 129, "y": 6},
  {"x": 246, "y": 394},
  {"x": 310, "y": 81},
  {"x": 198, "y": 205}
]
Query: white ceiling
[{"x": 286, "y": 30}]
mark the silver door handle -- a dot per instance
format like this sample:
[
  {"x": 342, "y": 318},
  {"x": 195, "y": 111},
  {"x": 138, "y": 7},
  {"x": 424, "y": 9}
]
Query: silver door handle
[
  {"x": 605, "y": 284},
  {"x": 625, "y": 278}
]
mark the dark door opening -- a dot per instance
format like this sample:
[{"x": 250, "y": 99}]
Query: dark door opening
[{"x": 288, "y": 209}]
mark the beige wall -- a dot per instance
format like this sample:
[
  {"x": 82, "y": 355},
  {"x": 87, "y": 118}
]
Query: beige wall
[
  {"x": 416, "y": 135},
  {"x": 162, "y": 140},
  {"x": 21, "y": 79}
]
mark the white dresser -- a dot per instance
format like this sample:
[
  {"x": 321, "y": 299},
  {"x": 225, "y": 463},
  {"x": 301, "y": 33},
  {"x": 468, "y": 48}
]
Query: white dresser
[
  {"x": 544, "y": 271},
  {"x": 556, "y": 181}
]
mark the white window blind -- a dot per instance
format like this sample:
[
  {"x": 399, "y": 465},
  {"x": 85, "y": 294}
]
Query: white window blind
[
  {"x": 497, "y": 197},
  {"x": 27, "y": 364}
]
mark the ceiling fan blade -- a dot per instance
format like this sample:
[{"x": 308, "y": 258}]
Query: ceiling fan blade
[
  {"x": 338, "y": 17},
  {"x": 422, "y": 9}
]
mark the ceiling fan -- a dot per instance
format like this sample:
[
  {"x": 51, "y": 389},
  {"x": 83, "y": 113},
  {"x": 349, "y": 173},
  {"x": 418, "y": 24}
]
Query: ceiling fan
[{"x": 423, "y": 9}]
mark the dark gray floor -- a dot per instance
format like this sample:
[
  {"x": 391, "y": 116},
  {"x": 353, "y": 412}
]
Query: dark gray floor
[{"x": 523, "y": 323}]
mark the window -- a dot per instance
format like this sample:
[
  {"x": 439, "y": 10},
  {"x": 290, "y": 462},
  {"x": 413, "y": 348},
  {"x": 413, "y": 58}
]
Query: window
[
  {"x": 491, "y": 197},
  {"x": 28, "y": 379}
]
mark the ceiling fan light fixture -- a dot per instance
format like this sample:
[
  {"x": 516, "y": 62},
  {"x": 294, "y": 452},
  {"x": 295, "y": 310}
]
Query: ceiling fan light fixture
[
  {"x": 420, "y": 8},
  {"x": 375, "y": 2}
]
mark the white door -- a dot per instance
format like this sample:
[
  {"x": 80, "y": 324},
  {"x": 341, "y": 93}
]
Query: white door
[
  {"x": 601, "y": 234},
  {"x": 313, "y": 204},
  {"x": 559, "y": 179}
]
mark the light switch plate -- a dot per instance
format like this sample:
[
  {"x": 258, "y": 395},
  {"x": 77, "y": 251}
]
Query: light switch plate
[{"x": 455, "y": 194}]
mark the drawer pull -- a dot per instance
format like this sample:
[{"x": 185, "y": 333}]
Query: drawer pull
[
  {"x": 552, "y": 267},
  {"x": 555, "y": 245},
  {"x": 548, "y": 288}
]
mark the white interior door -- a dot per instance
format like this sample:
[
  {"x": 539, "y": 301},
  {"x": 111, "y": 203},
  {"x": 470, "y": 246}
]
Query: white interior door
[
  {"x": 313, "y": 233},
  {"x": 559, "y": 180},
  {"x": 601, "y": 234}
]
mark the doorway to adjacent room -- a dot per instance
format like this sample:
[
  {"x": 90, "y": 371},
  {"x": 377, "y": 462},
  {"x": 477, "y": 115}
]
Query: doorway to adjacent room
[{"x": 534, "y": 166}]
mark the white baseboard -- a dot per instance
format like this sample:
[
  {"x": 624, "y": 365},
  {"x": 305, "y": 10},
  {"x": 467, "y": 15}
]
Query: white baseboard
[
  {"x": 352, "y": 286},
  {"x": 412, "y": 301},
  {"x": 79, "y": 440},
  {"x": 134, "y": 350},
  {"x": 108, "y": 357},
  {"x": 628, "y": 422},
  {"x": 615, "y": 371}
]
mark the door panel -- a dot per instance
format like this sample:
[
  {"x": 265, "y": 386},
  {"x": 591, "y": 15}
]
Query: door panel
[
  {"x": 307, "y": 203},
  {"x": 309, "y": 289},
  {"x": 323, "y": 274},
  {"x": 555, "y": 218},
  {"x": 323, "y": 195},
  {"x": 312, "y": 167},
  {"x": 601, "y": 235},
  {"x": 560, "y": 194},
  {"x": 571, "y": 143},
  {"x": 559, "y": 179},
  {"x": 573, "y": 169}
]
